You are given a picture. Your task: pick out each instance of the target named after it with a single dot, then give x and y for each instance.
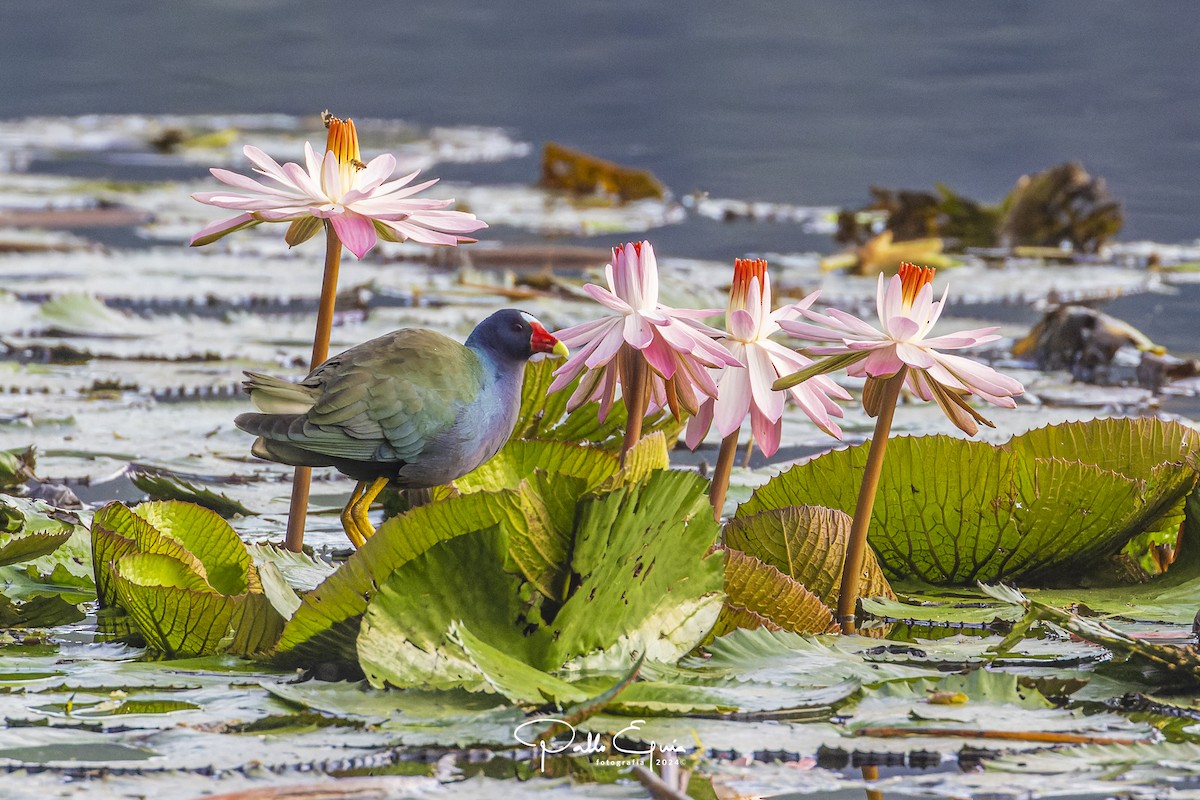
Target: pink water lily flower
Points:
(747, 389)
(907, 312)
(357, 199)
(677, 347)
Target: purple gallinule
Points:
(413, 407)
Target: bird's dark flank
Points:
(412, 407)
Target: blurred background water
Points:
(807, 103)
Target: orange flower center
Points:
(744, 271)
(343, 141)
(912, 280)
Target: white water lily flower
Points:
(677, 347)
(747, 389)
(907, 313)
(357, 199)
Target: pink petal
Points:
(743, 326)
(376, 172)
(762, 375)
(239, 181)
(957, 341)
(918, 382)
(698, 377)
(265, 165)
(568, 372)
(396, 190)
(914, 355)
(935, 311)
(606, 394)
(890, 301)
(698, 425)
(816, 407)
(981, 379)
(902, 328)
(579, 335)
(649, 275)
(331, 177)
(606, 346)
(808, 332)
(882, 362)
(311, 162)
(213, 231)
(354, 231)
(306, 185)
(638, 331)
(853, 325)
(588, 389)
(733, 400)
(607, 299)
(922, 306)
(766, 432)
(660, 356)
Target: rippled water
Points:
(807, 103)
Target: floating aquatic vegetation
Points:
(583, 174)
(1051, 503)
(16, 467)
(1082, 340)
(811, 219)
(1060, 204)
(164, 486)
(1169, 666)
(185, 579)
(882, 254)
(30, 529)
(602, 535)
(203, 139)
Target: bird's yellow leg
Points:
(359, 509)
(349, 524)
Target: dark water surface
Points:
(807, 102)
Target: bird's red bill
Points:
(543, 341)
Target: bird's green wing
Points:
(384, 400)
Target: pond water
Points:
(804, 104)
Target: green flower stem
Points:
(856, 549)
(298, 510)
(720, 480)
(635, 386)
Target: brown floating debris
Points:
(1062, 205)
(1084, 341)
(1156, 370)
(577, 172)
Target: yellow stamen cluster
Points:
(343, 141)
(912, 280)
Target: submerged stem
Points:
(720, 480)
(856, 548)
(298, 509)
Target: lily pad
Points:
(641, 584)
(951, 512)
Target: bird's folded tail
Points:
(273, 432)
(276, 396)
